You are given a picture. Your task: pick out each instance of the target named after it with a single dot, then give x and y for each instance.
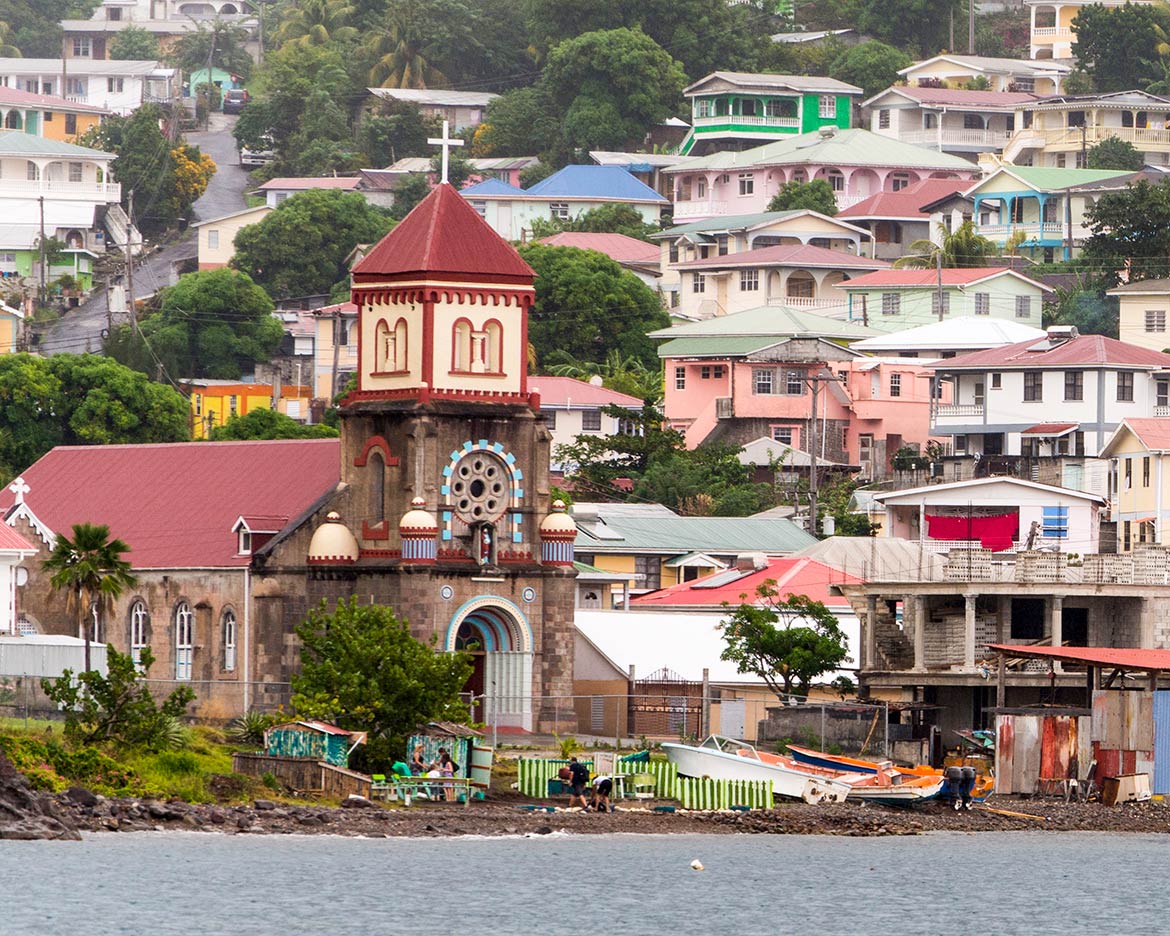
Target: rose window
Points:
(479, 488)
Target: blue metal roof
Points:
(490, 187)
(595, 182)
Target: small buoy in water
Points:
(696, 865)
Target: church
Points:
(437, 504)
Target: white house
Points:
(459, 108)
(999, 514)
(950, 337)
(277, 190)
(217, 235)
(1002, 74)
(573, 407)
(1063, 395)
(118, 86)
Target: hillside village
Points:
(564, 336)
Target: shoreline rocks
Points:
(27, 815)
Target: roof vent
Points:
(1059, 334)
(751, 562)
(827, 132)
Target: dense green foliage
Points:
(872, 66)
(269, 424)
(1119, 48)
(300, 248)
(35, 24)
(816, 195)
(1131, 229)
(362, 670)
(787, 642)
(587, 306)
(214, 323)
(1114, 153)
(80, 400)
(962, 247)
(608, 219)
(118, 707)
(134, 43)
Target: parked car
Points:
(250, 157)
(234, 101)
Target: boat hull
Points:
(722, 765)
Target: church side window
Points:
(377, 469)
(229, 639)
(184, 640)
(461, 346)
(390, 347)
(493, 347)
(139, 630)
(477, 351)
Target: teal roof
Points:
(716, 347)
(854, 147)
(1049, 178)
(16, 143)
(678, 535)
(726, 223)
(773, 321)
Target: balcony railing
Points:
(1162, 410)
(958, 409)
(1031, 228)
(700, 208)
(724, 408)
(994, 139)
(1138, 136)
(807, 302)
(57, 188)
(1051, 32)
(739, 121)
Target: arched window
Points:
(12, 120)
(493, 347)
(390, 347)
(139, 630)
(377, 468)
(184, 640)
(229, 639)
(461, 346)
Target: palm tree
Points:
(403, 50)
(91, 569)
(8, 48)
(623, 374)
(317, 22)
(963, 247)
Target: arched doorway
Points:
(497, 634)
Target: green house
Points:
(739, 110)
(312, 740)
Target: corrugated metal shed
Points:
(48, 655)
(312, 740)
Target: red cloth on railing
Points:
(997, 533)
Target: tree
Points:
(706, 481)
(1091, 311)
(317, 22)
(520, 122)
(787, 642)
(608, 219)
(118, 707)
(409, 192)
(395, 131)
(1118, 46)
(588, 306)
(1115, 153)
(134, 43)
(90, 569)
(300, 248)
(221, 42)
(611, 87)
(418, 39)
(214, 323)
(872, 66)
(1131, 228)
(917, 25)
(625, 375)
(7, 47)
(963, 247)
(595, 462)
(362, 670)
(269, 424)
(816, 195)
(35, 24)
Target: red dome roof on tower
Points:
(444, 236)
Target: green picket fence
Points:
(706, 793)
(665, 776)
(534, 773)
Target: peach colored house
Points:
(738, 377)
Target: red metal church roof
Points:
(175, 505)
(443, 234)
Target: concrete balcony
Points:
(686, 210)
(1051, 32)
(1144, 138)
(957, 139)
(61, 190)
(736, 122)
(1162, 410)
(808, 302)
(964, 410)
(1034, 230)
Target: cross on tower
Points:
(19, 487)
(446, 141)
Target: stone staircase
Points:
(121, 231)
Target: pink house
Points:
(738, 377)
(856, 164)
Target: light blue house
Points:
(565, 194)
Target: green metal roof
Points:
(1046, 178)
(726, 223)
(773, 322)
(717, 347)
(676, 535)
(18, 143)
(854, 147)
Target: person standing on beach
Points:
(578, 782)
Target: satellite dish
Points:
(21, 576)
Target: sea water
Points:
(157, 884)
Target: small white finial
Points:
(446, 141)
(19, 487)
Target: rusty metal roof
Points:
(1128, 658)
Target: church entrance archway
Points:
(497, 634)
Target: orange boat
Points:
(885, 784)
(806, 757)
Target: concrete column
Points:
(1056, 612)
(869, 634)
(1003, 629)
(969, 632)
(919, 633)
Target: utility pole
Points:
(44, 271)
(971, 27)
(130, 268)
(336, 352)
(812, 456)
(939, 291)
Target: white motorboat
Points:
(728, 759)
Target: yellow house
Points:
(1001, 74)
(1140, 478)
(214, 402)
(335, 324)
(47, 116)
(1145, 307)
(217, 236)
(10, 323)
(1051, 25)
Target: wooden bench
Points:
(405, 787)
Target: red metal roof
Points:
(952, 276)
(619, 247)
(1130, 658)
(961, 97)
(1084, 350)
(796, 255)
(797, 576)
(11, 541)
(175, 505)
(324, 182)
(1050, 429)
(908, 202)
(15, 96)
(1153, 433)
(563, 391)
(443, 234)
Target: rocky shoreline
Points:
(85, 812)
